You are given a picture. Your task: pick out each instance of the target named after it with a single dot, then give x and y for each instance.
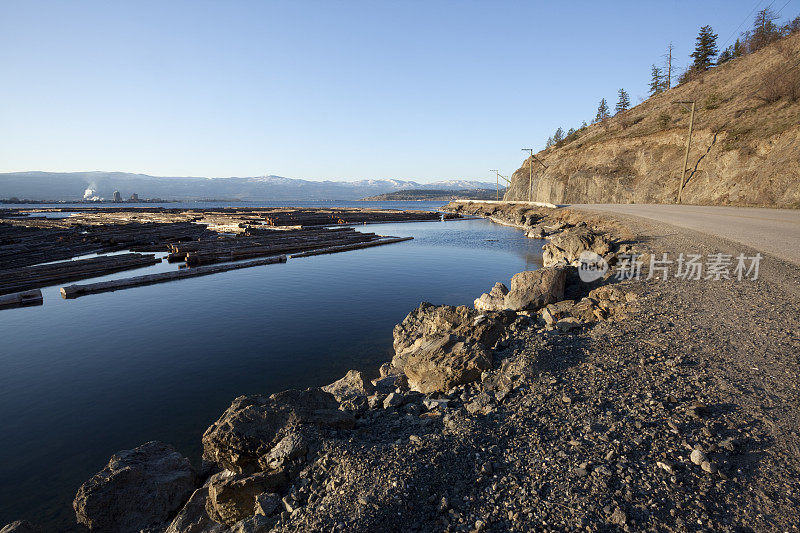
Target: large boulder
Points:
(193, 518)
(568, 245)
(352, 385)
(439, 363)
(493, 300)
(243, 437)
(533, 289)
(288, 448)
(430, 320)
(585, 310)
(138, 489)
(232, 499)
(439, 347)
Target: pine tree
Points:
(656, 80)
(549, 142)
(732, 52)
(602, 111)
(765, 31)
(584, 125)
(738, 49)
(793, 26)
(558, 136)
(705, 49)
(624, 101)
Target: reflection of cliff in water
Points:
(532, 260)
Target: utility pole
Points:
(530, 172)
(507, 185)
(497, 178)
(688, 145)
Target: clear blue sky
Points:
(420, 90)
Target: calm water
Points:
(84, 378)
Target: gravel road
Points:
(774, 231)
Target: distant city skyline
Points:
(421, 91)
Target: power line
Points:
(791, 67)
(784, 5)
(530, 171)
(722, 47)
(497, 179)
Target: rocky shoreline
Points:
(554, 404)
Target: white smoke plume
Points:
(91, 194)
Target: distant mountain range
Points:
(443, 195)
(66, 186)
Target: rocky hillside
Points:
(745, 147)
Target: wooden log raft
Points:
(22, 246)
(266, 237)
(20, 299)
(347, 247)
(262, 244)
(308, 217)
(212, 256)
(34, 277)
(74, 291)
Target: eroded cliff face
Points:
(745, 149)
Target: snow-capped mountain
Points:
(72, 186)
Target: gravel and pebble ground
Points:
(683, 416)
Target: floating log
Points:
(75, 291)
(20, 299)
(346, 247)
(176, 257)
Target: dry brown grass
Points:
(730, 96)
(781, 80)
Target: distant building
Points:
(117, 196)
(134, 197)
